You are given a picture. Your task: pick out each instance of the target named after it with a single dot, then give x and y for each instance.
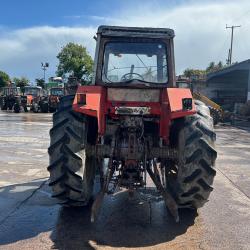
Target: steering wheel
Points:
(128, 76)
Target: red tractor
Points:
(132, 122)
(36, 99)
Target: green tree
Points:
(75, 60)
(21, 82)
(220, 65)
(40, 82)
(210, 67)
(194, 72)
(4, 79)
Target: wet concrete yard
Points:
(30, 219)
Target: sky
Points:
(32, 32)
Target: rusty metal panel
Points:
(134, 95)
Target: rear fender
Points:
(172, 108)
(93, 104)
(175, 98)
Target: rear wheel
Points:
(10, 105)
(17, 108)
(192, 183)
(72, 171)
(34, 108)
(3, 106)
(44, 107)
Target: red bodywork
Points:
(29, 99)
(93, 101)
(54, 99)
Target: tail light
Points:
(187, 103)
(54, 98)
(81, 99)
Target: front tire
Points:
(17, 108)
(72, 171)
(195, 171)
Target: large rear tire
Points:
(192, 184)
(72, 172)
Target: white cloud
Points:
(22, 51)
(201, 36)
(200, 30)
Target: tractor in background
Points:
(132, 122)
(37, 100)
(12, 99)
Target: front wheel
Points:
(72, 171)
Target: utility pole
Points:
(232, 37)
(44, 68)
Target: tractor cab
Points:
(34, 91)
(134, 75)
(182, 82)
(134, 57)
(32, 94)
(11, 91)
(56, 91)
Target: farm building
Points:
(229, 85)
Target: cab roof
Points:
(11, 87)
(33, 87)
(119, 31)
